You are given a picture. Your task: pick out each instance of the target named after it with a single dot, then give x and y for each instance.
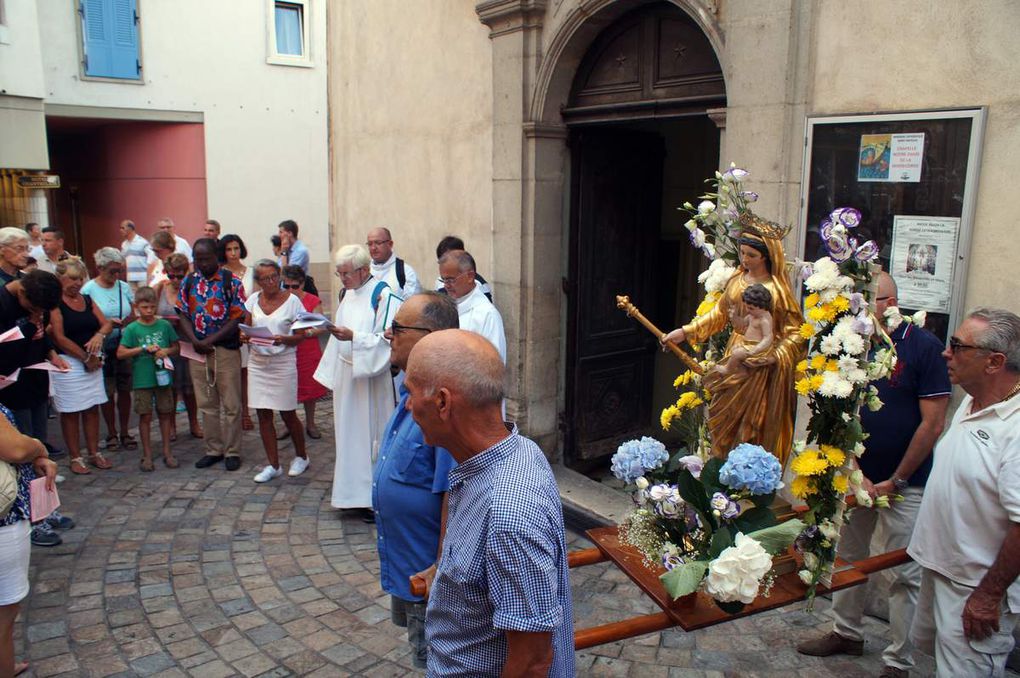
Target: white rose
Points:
(810, 561)
(806, 576)
(829, 529)
(642, 483)
(919, 318)
(690, 225)
(706, 207)
(858, 452)
(863, 498)
(736, 574)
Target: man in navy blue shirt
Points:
(897, 460)
(411, 479)
(500, 603)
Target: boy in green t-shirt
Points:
(149, 341)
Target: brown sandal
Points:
(171, 462)
(128, 442)
(146, 465)
(99, 461)
(78, 466)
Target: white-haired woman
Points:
(14, 247)
(356, 365)
(114, 297)
(272, 370)
(78, 328)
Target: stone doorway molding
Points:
(537, 46)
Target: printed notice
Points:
(891, 157)
(923, 259)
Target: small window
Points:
(288, 33)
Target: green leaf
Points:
(692, 491)
(777, 538)
(674, 461)
(721, 540)
(710, 475)
(685, 578)
(757, 518)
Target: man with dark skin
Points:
(210, 314)
(500, 603)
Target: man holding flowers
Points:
(967, 538)
(897, 461)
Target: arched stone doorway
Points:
(641, 143)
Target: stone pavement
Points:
(203, 573)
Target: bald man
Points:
(897, 460)
(388, 267)
(501, 594)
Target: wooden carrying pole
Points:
(623, 303)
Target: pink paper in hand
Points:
(44, 502)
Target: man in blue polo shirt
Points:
(411, 479)
(897, 460)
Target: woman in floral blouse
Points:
(28, 456)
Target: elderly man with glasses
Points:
(477, 313)
(897, 461)
(355, 365)
(14, 248)
(967, 537)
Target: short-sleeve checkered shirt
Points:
(504, 564)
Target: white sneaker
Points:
(298, 466)
(268, 473)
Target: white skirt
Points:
(272, 381)
(15, 549)
(77, 390)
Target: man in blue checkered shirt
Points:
(500, 602)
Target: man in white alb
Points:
(356, 366)
(390, 268)
(477, 313)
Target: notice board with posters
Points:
(914, 178)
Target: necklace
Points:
(1012, 392)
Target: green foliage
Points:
(710, 476)
(778, 538)
(722, 539)
(757, 518)
(685, 578)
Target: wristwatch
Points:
(899, 483)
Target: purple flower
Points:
(867, 252)
(825, 228)
(735, 174)
(726, 507)
(671, 560)
(848, 216)
(839, 247)
(807, 270)
(692, 463)
(862, 324)
(803, 541)
(749, 196)
(857, 302)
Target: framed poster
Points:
(914, 178)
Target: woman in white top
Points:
(232, 254)
(272, 367)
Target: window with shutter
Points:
(110, 38)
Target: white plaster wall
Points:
(21, 71)
(411, 116)
(265, 125)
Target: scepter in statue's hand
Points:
(623, 303)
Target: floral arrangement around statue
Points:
(847, 349)
(707, 523)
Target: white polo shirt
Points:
(972, 496)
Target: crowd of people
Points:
(459, 497)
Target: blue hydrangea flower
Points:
(635, 457)
(750, 467)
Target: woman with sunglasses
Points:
(232, 254)
(309, 352)
(272, 367)
(162, 245)
(177, 266)
(114, 297)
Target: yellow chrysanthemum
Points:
(816, 382)
(833, 455)
(832, 366)
(830, 312)
(667, 416)
(801, 487)
(803, 386)
(817, 313)
(807, 330)
(817, 362)
(705, 306)
(809, 463)
(802, 366)
(841, 303)
(683, 379)
(811, 300)
(840, 483)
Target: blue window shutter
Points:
(111, 38)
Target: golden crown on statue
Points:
(751, 222)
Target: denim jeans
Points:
(409, 614)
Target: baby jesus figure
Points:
(755, 326)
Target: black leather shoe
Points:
(207, 461)
(233, 463)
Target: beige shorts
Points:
(164, 396)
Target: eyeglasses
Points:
(347, 274)
(450, 281)
(955, 345)
(114, 271)
(266, 279)
(398, 328)
(292, 286)
(370, 243)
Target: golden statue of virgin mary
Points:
(754, 405)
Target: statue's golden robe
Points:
(756, 406)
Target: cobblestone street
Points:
(204, 573)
